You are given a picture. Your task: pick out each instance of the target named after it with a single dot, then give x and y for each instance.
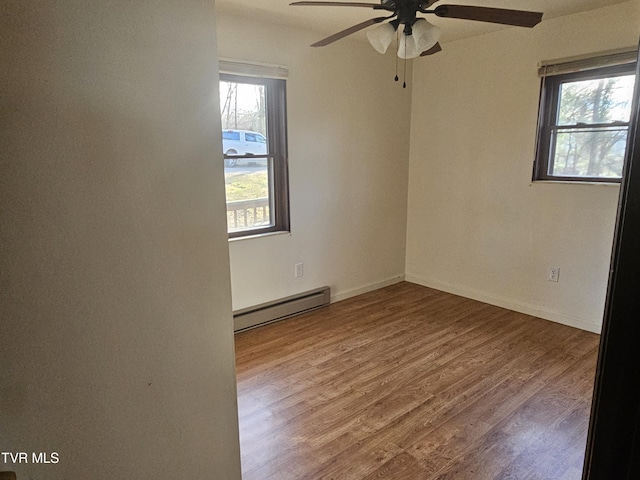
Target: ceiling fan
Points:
(419, 37)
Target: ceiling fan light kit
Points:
(415, 39)
(422, 37)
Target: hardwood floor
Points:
(411, 383)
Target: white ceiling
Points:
(329, 20)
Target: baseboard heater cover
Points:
(273, 311)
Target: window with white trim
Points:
(254, 141)
(585, 108)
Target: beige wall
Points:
(476, 224)
(348, 162)
(116, 347)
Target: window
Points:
(254, 141)
(584, 120)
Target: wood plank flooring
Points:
(409, 383)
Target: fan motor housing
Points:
(398, 4)
(405, 10)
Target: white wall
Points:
(348, 127)
(116, 330)
(476, 225)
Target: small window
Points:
(255, 163)
(584, 121)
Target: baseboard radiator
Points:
(252, 317)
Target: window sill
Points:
(258, 235)
(574, 182)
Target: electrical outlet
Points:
(554, 274)
(299, 270)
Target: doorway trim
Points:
(613, 443)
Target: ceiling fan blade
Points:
(518, 18)
(348, 31)
(337, 4)
(435, 49)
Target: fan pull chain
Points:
(404, 74)
(397, 44)
(404, 66)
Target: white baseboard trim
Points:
(337, 297)
(505, 303)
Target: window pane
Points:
(601, 100)
(243, 113)
(247, 179)
(588, 152)
(248, 193)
